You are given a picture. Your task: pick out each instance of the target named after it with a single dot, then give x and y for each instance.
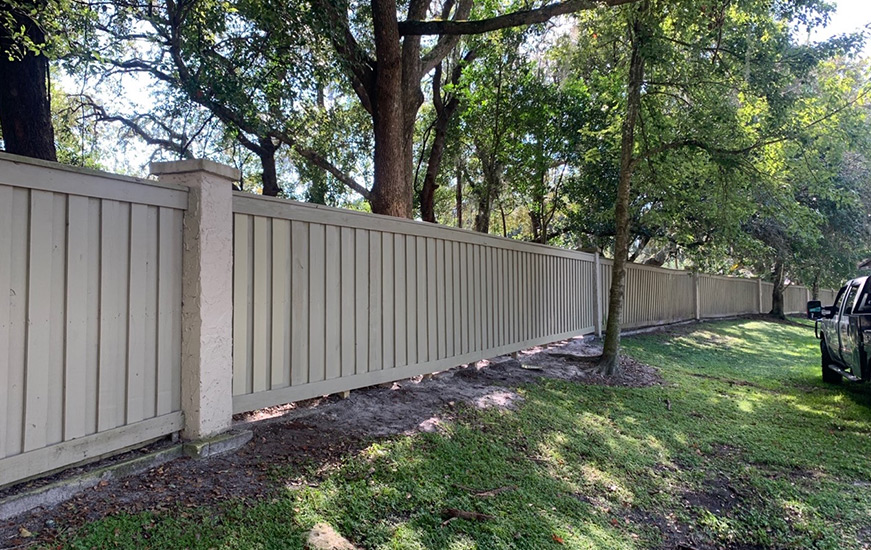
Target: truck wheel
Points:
(829, 376)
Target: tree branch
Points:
(446, 42)
(515, 19)
(321, 162)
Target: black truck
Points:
(844, 331)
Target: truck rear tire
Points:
(829, 376)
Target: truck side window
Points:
(863, 305)
(851, 298)
(839, 298)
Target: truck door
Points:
(859, 324)
(846, 343)
(829, 326)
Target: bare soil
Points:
(318, 432)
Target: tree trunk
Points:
(482, 217)
(777, 291)
(267, 161)
(25, 104)
(391, 189)
(815, 287)
(459, 193)
(444, 112)
(609, 364)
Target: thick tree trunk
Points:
(815, 287)
(25, 104)
(777, 291)
(609, 364)
(391, 189)
(267, 162)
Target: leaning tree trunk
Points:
(25, 104)
(609, 364)
(777, 291)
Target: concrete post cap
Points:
(195, 165)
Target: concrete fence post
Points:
(597, 294)
(697, 295)
(207, 294)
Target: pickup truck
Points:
(844, 331)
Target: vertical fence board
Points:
(262, 304)
(432, 333)
(135, 314)
(422, 315)
(242, 300)
(440, 286)
(149, 386)
(57, 320)
(333, 353)
(376, 356)
(400, 300)
(39, 321)
(361, 276)
(317, 302)
(412, 289)
(349, 303)
(449, 299)
(299, 302)
(388, 295)
(6, 237)
(281, 320)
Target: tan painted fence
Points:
(89, 333)
(328, 300)
(99, 351)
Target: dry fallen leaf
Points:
(24, 533)
(558, 539)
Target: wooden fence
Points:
(122, 323)
(328, 300)
(89, 333)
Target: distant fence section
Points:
(90, 270)
(133, 309)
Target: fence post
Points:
(759, 295)
(597, 290)
(207, 293)
(697, 302)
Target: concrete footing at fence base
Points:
(64, 489)
(219, 444)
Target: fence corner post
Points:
(207, 294)
(597, 291)
(697, 296)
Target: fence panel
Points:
(827, 296)
(327, 300)
(795, 299)
(725, 296)
(653, 295)
(89, 327)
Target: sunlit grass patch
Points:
(743, 445)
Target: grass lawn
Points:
(741, 447)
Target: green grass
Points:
(742, 446)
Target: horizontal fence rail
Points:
(90, 269)
(327, 300)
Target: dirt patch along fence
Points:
(138, 309)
